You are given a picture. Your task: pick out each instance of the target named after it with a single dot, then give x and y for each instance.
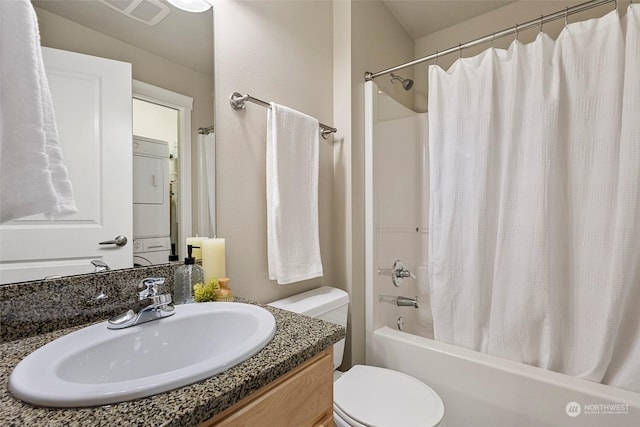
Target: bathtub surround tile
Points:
(35, 313)
(397, 244)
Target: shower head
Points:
(406, 83)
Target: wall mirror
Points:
(171, 96)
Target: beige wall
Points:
(312, 56)
(61, 33)
(342, 226)
(278, 51)
(499, 19)
(377, 42)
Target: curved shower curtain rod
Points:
(543, 19)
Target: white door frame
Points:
(184, 105)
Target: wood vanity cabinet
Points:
(301, 397)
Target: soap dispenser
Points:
(174, 256)
(186, 277)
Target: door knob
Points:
(118, 241)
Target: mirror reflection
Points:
(156, 174)
(135, 164)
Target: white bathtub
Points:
(484, 390)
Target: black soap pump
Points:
(174, 256)
(186, 277)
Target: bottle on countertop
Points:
(186, 277)
(174, 256)
(224, 293)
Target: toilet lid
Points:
(382, 397)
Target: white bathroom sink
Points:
(98, 366)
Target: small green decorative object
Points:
(205, 293)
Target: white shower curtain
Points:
(535, 206)
(207, 179)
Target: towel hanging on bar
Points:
(293, 233)
(238, 100)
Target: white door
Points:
(92, 103)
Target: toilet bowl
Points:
(367, 396)
(372, 396)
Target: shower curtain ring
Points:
(437, 52)
(566, 16)
(460, 48)
(516, 32)
(493, 35)
(541, 16)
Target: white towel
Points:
(293, 240)
(33, 178)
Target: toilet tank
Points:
(325, 303)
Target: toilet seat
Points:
(370, 396)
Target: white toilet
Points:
(366, 395)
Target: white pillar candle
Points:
(213, 259)
(196, 241)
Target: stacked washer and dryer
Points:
(151, 199)
(367, 395)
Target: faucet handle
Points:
(148, 287)
(397, 273)
(161, 300)
(99, 266)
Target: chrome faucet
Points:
(407, 302)
(397, 273)
(399, 301)
(159, 306)
(99, 266)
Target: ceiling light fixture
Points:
(192, 5)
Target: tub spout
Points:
(399, 301)
(407, 302)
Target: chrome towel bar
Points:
(238, 100)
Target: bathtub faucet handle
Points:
(397, 273)
(404, 274)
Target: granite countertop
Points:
(297, 339)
